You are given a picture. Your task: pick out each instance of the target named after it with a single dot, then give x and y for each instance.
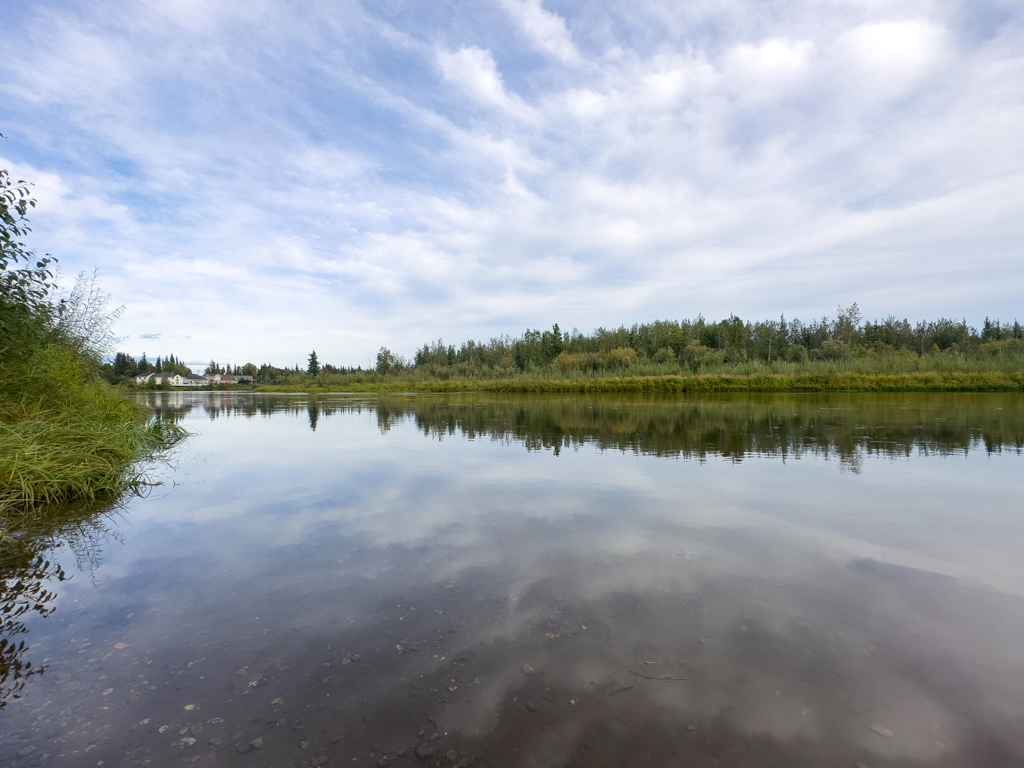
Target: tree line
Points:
(124, 367)
(692, 345)
(699, 343)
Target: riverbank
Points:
(994, 381)
(66, 436)
(82, 447)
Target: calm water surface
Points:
(547, 581)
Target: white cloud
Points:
(888, 57)
(473, 69)
(338, 178)
(546, 30)
(769, 70)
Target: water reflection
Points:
(29, 575)
(730, 426)
(352, 580)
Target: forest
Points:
(845, 343)
(696, 345)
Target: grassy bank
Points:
(65, 434)
(827, 381)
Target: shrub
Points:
(665, 355)
(65, 435)
(833, 349)
(696, 355)
(621, 357)
(797, 354)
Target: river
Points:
(487, 580)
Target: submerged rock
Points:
(423, 751)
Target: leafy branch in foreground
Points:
(65, 434)
(24, 286)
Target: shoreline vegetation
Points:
(829, 381)
(66, 435)
(840, 354)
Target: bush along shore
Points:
(66, 435)
(707, 383)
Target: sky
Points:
(256, 180)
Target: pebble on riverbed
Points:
(423, 751)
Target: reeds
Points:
(994, 367)
(66, 436)
(825, 381)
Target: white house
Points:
(190, 380)
(172, 379)
(224, 378)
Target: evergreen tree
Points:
(314, 364)
(121, 364)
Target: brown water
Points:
(547, 581)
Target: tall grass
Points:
(90, 450)
(928, 373)
(997, 366)
(66, 435)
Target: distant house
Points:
(224, 378)
(172, 379)
(168, 378)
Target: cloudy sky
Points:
(257, 179)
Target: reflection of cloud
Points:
(388, 504)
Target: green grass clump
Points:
(66, 435)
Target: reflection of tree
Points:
(24, 592)
(27, 572)
(848, 427)
(845, 426)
